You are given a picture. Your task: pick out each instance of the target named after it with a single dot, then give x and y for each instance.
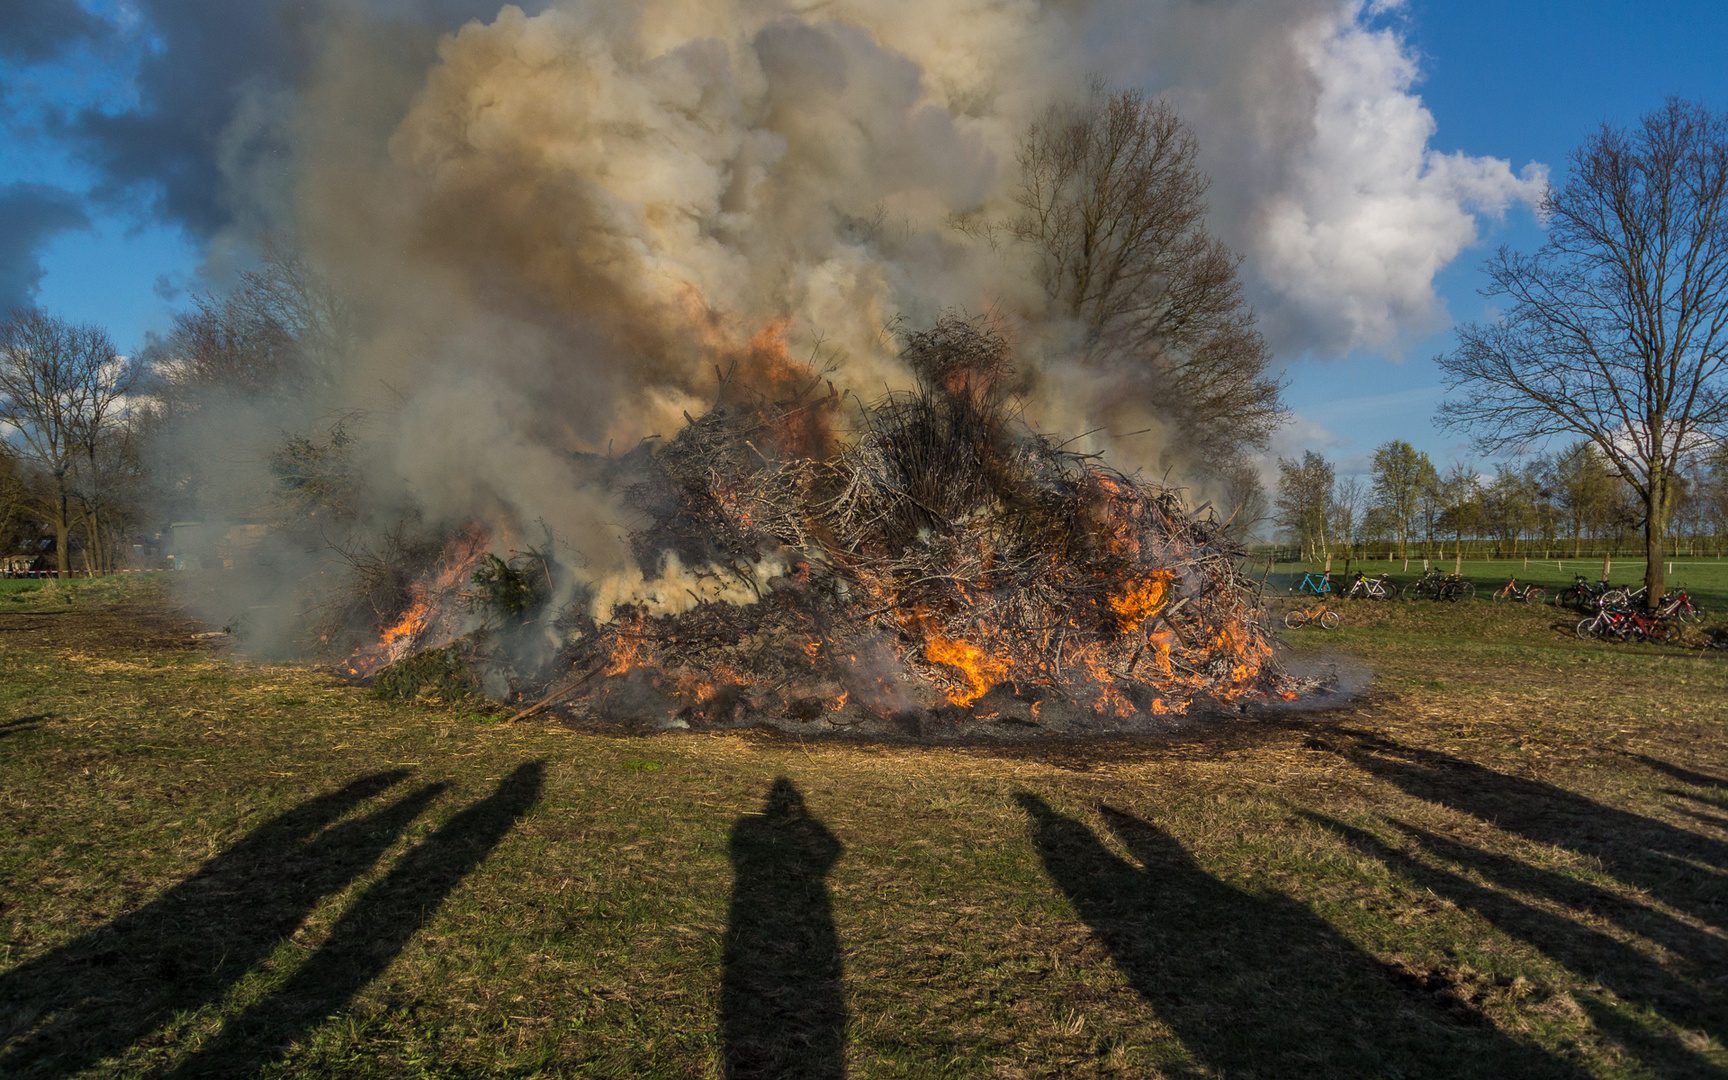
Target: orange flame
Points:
(430, 612)
(1141, 599)
(980, 670)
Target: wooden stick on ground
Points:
(555, 696)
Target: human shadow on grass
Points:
(1641, 851)
(22, 724)
(782, 1004)
(110, 988)
(1679, 990)
(1257, 984)
(370, 934)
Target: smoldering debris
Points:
(943, 571)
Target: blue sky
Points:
(1520, 81)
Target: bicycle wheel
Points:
(1329, 620)
(1412, 591)
(1294, 619)
(1534, 596)
(1465, 591)
(1662, 631)
(1614, 598)
(1588, 630)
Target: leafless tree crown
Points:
(282, 323)
(1617, 329)
(1112, 201)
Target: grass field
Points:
(1507, 858)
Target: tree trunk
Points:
(1655, 533)
(62, 531)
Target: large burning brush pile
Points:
(947, 570)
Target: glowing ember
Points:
(941, 551)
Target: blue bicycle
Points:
(1318, 584)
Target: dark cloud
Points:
(31, 215)
(32, 31)
(211, 125)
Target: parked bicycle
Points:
(1319, 613)
(1621, 624)
(1453, 588)
(1426, 587)
(1371, 588)
(1318, 584)
(1524, 594)
(1678, 605)
(1624, 596)
(1581, 594)
(1437, 586)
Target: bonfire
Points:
(944, 569)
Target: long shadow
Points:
(1685, 776)
(1680, 992)
(373, 930)
(1640, 851)
(104, 991)
(782, 1009)
(1258, 985)
(22, 724)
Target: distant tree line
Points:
(1568, 504)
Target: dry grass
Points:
(1507, 859)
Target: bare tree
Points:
(1616, 330)
(1244, 500)
(1461, 513)
(1303, 503)
(1402, 476)
(1113, 203)
(60, 383)
(1349, 501)
(282, 323)
(1583, 490)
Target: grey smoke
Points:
(1306, 110)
